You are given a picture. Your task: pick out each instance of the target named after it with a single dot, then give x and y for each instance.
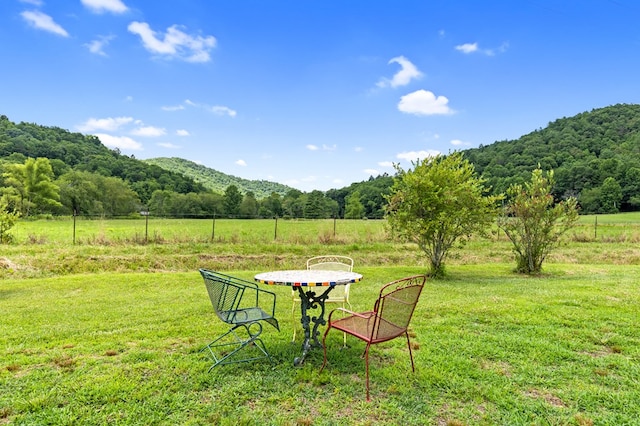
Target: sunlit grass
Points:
(490, 348)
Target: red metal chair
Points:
(389, 318)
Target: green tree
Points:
(79, 193)
(232, 200)
(532, 221)
(30, 186)
(8, 219)
(611, 195)
(249, 206)
(437, 204)
(353, 208)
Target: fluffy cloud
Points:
(311, 147)
(174, 43)
(182, 132)
(106, 124)
(407, 72)
(423, 102)
(149, 131)
(120, 142)
(417, 155)
(100, 6)
(241, 163)
(97, 46)
(223, 110)
(42, 21)
(468, 48)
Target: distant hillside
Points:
(595, 156)
(218, 181)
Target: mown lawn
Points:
(493, 348)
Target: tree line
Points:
(595, 157)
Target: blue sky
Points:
(315, 94)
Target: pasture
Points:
(108, 330)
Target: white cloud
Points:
(385, 163)
(458, 142)
(311, 147)
(44, 22)
(371, 172)
(182, 132)
(223, 110)
(407, 72)
(108, 124)
(423, 102)
(337, 181)
(100, 6)
(329, 147)
(241, 163)
(168, 145)
(173, 108)
(120, 142)
(468, 48)
(417, 155)
(97, 46)
(149, 131)
(33, 2)
(174, 43)
(358, 149)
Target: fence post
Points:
(595, 229)
(145, 213)
(213, 228)
(334, 226)
(275, 231)
(74, 226)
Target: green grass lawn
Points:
(492, 348)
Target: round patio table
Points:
(306, 281)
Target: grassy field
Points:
(108, 331)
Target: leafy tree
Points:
(249, 206)
(353, 206)
(232, 200)
(315, 207)
(437, 204)
(8, 219)
(79, 193)
(30, 187)
(532, 221)
(271, 206)
(611, 194)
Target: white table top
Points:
(308, 277)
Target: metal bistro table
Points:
(305, 280)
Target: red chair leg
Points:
(366, 366)
(413, 368)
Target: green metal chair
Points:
(242, 305)
(389, 318)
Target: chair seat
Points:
(361, 326)
(248, 315)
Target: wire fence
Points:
(147, 228)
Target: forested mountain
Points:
(218, 181)
(595, 157)
(85, 153)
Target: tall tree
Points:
(533, 222)
(232, 200)
(353, 208)
(30, 186)
(437, 204)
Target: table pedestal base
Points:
(309, 300)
